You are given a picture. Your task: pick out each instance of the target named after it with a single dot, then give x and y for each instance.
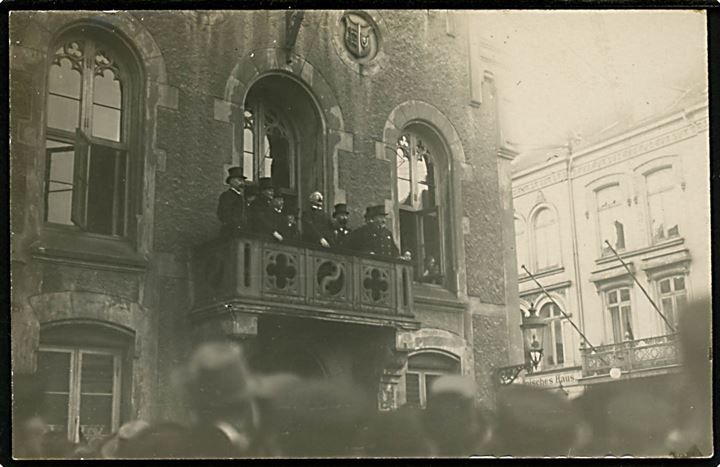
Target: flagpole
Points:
(559, 308)
(672, 328)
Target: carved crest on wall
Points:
(360, 37)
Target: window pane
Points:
(248, 166)
(679, 283)
(97, 373)
(412, 388)
(106, 122)
(402, 163)
(280, 169)
(408, 236)
(624, 294)
(659, 180)
(681, 302)
(656, 216)
(559, 347)
(59, 184)
(107, 90)
(612, 296)
(63, 113)
(431, 237)
(54, 369)
(64, 80)
(428, 383)
(665, 286)
(247, 141)
(56, 411)
(95, 415)
(106, 182)
(404, 196)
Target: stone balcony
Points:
(257, 276)
(637, 358)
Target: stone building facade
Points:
(123, 126)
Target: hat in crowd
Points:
(251, 189)
(372, 211)
(265, 183)
(534, 422)
(217, 376)
(340, 208)
(113, 446)
(235, 172)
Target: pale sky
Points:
(581, 71)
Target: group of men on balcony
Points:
(264, 213)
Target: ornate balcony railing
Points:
(640, 355)
(265, 276)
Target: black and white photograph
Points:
(359, 233)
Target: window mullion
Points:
(75, 377)
(258, 141)
(87, 86)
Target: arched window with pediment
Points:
(422, 194)
(93, 101)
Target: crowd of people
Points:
(259, 209)
(236, 413)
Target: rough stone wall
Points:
(422, 63)
(490, 350)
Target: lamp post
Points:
(533, 330)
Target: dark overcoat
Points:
(316, 224)
(373, 240)
(231, 210)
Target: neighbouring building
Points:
(123, 126)
(645, 189)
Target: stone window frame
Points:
(100, 39)
(29, 55)
(423, 373)
(75, 389)
(422, 112)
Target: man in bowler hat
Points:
(263, 216)
(374, 238)
(341, 233)
(231, 209)
(316, 224)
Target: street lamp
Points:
(533, 329)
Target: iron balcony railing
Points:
(631, 356)
(264, 276)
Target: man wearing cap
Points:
(341, 233)
(317, 227)
(231, 204)
(263, 217)
(374, 238)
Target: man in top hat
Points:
(374, 238)
(317, 227)
(341, 232)
(263, 216)
(231, 209)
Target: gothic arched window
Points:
(421, 197)
(91, 98)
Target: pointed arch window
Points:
(91, 96)
(421, 197)
(268, 148)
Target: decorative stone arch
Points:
(543, 299)
(439, 340)
(30, 53)
(274, 60)
(92, 308)
(416, 111)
